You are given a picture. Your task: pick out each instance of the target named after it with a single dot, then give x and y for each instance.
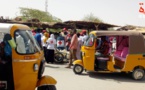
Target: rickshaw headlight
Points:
(36, 67)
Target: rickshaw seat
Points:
(121, 55)
(120, 58)
(102, 62)
(103, 58)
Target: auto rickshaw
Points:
(128, 57)
(21, 60)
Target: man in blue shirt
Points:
(38, 37)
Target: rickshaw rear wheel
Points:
(58, 57)
(78, 69)
(138, 74)
(47, 87)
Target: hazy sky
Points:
(120, 12)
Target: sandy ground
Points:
(67, 80)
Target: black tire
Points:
(78, 69)
(47, 87)
(58, 57)
(138, 74)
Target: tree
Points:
(92, 18)
(27, 13)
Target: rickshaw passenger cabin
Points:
(21, 60)
(128, 55)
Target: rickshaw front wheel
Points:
(47, 87)
(138, 74)
(78, 69)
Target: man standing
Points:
(44, 39)
(38, 37)
(73, 47)
(68, 41)
(85, 36)
(80, 43)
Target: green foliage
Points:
(110, 29)
(54, 30)
(92, 18)
(28, 13)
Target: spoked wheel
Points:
(47, 87)
(138, 74)
(78, 69)
(58, 57)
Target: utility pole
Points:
(46, 5)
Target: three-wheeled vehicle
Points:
(128, 57)
(21, 60)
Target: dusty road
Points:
(67, 80)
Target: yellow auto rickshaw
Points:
(21, 60)
(128, 56)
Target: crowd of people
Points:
(68, 39)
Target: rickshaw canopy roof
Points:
(5, 27)
(136, 39)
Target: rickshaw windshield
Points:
(26, 43)
(90, 40)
